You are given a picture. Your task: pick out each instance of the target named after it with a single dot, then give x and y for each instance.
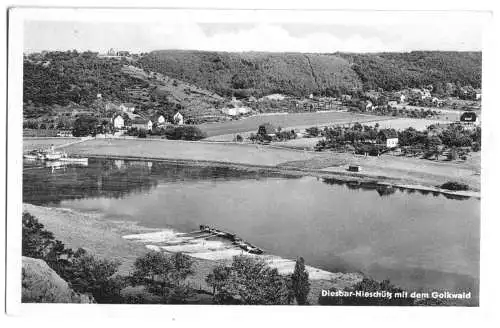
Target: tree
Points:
(85, 125)
(433, 145)
(90, 274)
(36, 241)
(300, 282)
(218, 279)
(252, 281)
(85, 273)
(164, 275)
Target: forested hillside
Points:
(58, 78)
(66, 78)
(301, 74)
(256, 73)
(394, 71)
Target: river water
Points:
(418, 240)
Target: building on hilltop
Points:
(469, 120)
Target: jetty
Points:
(235, 240)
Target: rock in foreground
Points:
(41, 284)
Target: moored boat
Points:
(30, 156)
(79, 160)
(53, 156)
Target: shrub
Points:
(184, 132)
(142, 133)
(313, 131)
(453, 185)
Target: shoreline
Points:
(379, 180)
(126, 241)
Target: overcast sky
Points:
(296, 32)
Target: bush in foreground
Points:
(84, 272)
(452, 185)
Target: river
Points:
(418, 240)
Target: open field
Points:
(385, 122)
(386, 168)
(414, 171)
(248, 154)
(285, 121)
(34, 143)
(404, 123)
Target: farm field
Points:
(285, 121)
(248, 154)
(404, 123)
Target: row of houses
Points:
(144, 123)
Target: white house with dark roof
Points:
(118, 122)
(178, 119)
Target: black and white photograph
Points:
(315, 158)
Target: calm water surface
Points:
(417, 240)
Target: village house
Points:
(118, 122)
(178, 119)
(346, 98)
(159, 120)
(267, 129)
(127, 107)
(369, 105)
(478, 94)
(141, 123)
(401, 99)
(389, 138)
(469, 120)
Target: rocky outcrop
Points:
(41, 284)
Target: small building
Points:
(389, 138)
(65, 133)
(178, 119)
(469, 120)
(141, 123)
(468, 117)
(354, 168)
(267, 129)
(127, 107)
(118, 122)
(369, 105)
(159, 120)
(346, 98)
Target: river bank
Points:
(126, 241)
(410, 173)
